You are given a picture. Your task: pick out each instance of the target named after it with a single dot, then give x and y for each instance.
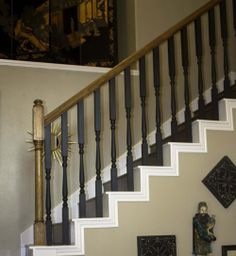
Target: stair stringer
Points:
(200, 128)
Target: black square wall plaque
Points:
(221, 181)
(156, 245)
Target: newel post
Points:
(38, 137)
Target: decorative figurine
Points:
(203, 233)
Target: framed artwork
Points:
(81, 32)
(156, 245)
(229, 250)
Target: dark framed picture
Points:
(79, 32)
(229, 250)
(157, 245)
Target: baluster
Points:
(212, 43)
(97, 126)
(112, 107)
(157, 85)
(185, 64)
(224, 36)
(48, 167)
(171, 61)
(142, 70)
(198, 42)
(64, 153)
(234, 15)
(82, 196)
(129, 158)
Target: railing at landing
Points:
(43, 123)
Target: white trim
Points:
(26, 238)
(55, 66)
(199, 145)
(43, 65)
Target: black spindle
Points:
(97, 127)
(212, 43)
(112, 107)
(48, 166)
(142, 70)
(198, 43)
(64, 153)
(185, 64)
(82, 196)
(129, 158)
(224, 35)
(157, 86)
(171, 61)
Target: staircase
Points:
(132, 218)
(156, 151)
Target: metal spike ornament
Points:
(55, 143)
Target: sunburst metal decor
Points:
(221, 181)
(55, 143)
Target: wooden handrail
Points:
(53, 115)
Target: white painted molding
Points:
(44, 65)
(55, 66)
(199, 145)
(26, 238)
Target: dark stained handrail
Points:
(53, 115)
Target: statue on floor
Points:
(203, 234)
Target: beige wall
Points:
(141, 21)
(126, 27)
(154, 17)
(18, 89)
(173, 203)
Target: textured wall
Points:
(18, 89)
(161, 15)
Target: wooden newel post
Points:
(38, 137)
